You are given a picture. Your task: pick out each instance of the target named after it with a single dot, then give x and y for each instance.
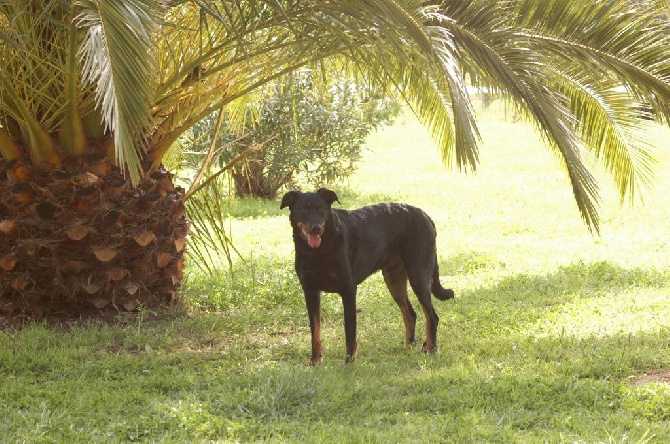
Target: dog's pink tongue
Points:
(314, 240)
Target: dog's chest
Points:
(329, 276)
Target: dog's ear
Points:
(328, 195)
(289, 199)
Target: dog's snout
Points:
(315, 228)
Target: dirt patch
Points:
(661, 375)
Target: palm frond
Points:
(210, 246)
(610, 124)
(31, 73)
(560, 63)
(624, 42)
(41, 146)
(608, 60)
(117, 56)
(72, 134)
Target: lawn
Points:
(548, 339)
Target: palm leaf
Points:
(117, 56)
(559, 62)
(210, 244)
(609, 123)
(31, 75)
(72, 134)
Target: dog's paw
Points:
(427, 349)
(350, 359)
(315, 361)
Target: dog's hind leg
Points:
(395, 276)
(420, 282)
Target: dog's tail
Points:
(437, 289)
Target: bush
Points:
(311, 134)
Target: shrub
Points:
(312, 134)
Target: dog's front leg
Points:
(313, 302)
(349, 304)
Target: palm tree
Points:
(93, 93)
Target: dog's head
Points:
(310, 213)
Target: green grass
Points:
(549, 327)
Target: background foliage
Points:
(311, 132)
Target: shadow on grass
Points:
(582, 299)
(253, 208)
(511, 302)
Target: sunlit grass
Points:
(608, 315)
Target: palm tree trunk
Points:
(84, 241)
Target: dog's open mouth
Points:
(313, 240)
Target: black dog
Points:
(335, 250)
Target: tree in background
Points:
(93, 93)
(311, 132)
